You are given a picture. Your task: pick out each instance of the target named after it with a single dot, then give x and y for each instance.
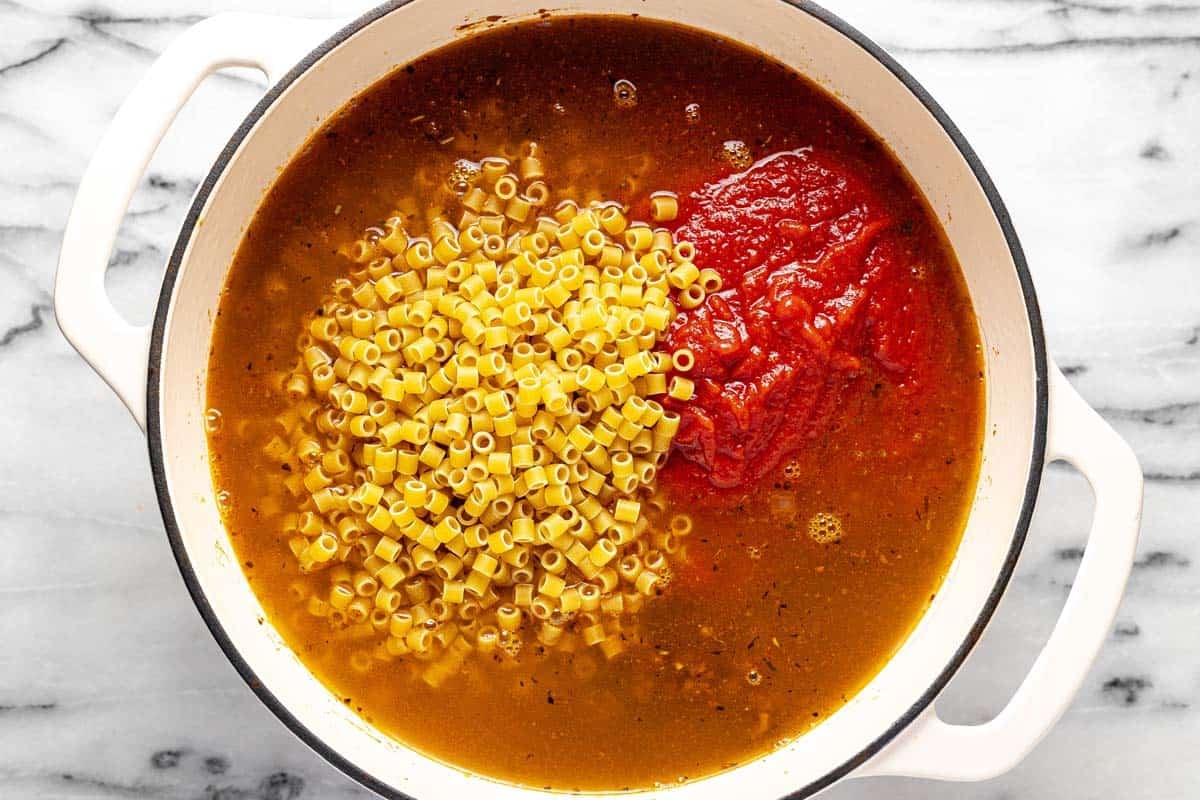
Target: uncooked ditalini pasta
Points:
(478, 436)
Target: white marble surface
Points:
(1086, 112)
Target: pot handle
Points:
(931, 748)
(116, 349)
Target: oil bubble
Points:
(433, 129)
(462, 176)
(754, 677)
(737, 153)
(825, 528)
(213, 420)
(625, 93)
(691, 112)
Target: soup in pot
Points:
(594, 404)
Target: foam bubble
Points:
(737, 153)
(825, 528)
(462, 176)
(625, 93)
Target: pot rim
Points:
(344, 763)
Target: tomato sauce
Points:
(820, 278)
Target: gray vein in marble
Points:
(1126, 630)
(109, 787)
(1127, 690)
(38, 187)
(6, 708)
(280, 785)
(17, 230)
(20, 123)
(36, 57)
(1069, 553)
(1155, 559)
(129, 250)
(166, 759)
(145, 212)
(1057, 45)
(96, 18)
(1069, 6)
(176, 185)
(1161, 236)
(123, 256)
(1172, 414)
(102, 24)
(20, 233)
(1172, 477)
(35, 321)
(1154, 151)
(1149, 475)
(99, 22)
(216, 765)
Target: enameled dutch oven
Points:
(1033, 415)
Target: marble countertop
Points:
(1086, 112)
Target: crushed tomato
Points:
(821, 284)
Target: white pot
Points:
(1033, 415)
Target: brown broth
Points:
(814, 622)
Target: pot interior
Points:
(797, 36)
